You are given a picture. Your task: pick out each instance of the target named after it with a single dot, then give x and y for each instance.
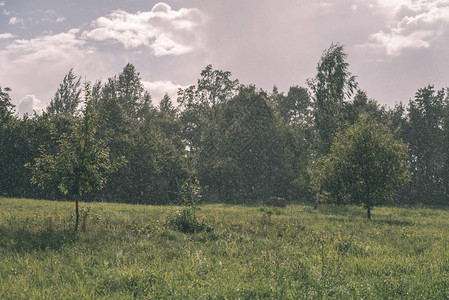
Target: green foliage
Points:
(427, 114)
(331, 85)
(149, 138)
(295, 106)
(81, 162)
(243, 143)
(366, 165)
(361, 106)
(6, 107)
(67, 96)
(191, 192)
(186, 220)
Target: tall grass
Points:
(128, 251)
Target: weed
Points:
(84, 213)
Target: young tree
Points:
(365, 165)
(81, 162)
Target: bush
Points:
(186, 221)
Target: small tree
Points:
(81, 161)
(365, 165)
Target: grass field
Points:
(127, 251)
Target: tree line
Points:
(242, 143)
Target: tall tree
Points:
(130, 91)
(67, 96)
(332, 84)
(8, 141)
(365, 165)
(200, 104)
(426, 118)
(242, 157)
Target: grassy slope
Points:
(125, 251)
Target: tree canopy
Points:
(244, 144)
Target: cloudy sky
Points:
(394, 47)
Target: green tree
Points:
(361, 106)
(167, 118)
(67, 96)
(365, 165)
(295, 106)
(332, 84)
(6, 107)
(81, 162)
(425, 134)
(8, 141)
(130, 91)
(243, 157)
(148, 137)
(201, 104)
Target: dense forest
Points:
(242, 143)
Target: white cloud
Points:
(5, 36)
(36, 66)
(159, 88)
(50, 48)
(161, 7)
(29, 104)
(165, 31)
(6, 12)
(395, 43)
(15, 20)
(2, 3)
(60, 19)
(410, 24)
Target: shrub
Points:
(186, 221)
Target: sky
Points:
(394, 47)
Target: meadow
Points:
(252, 252)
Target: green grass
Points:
(127, 251)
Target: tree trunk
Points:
(77, 215)
(368, 209)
